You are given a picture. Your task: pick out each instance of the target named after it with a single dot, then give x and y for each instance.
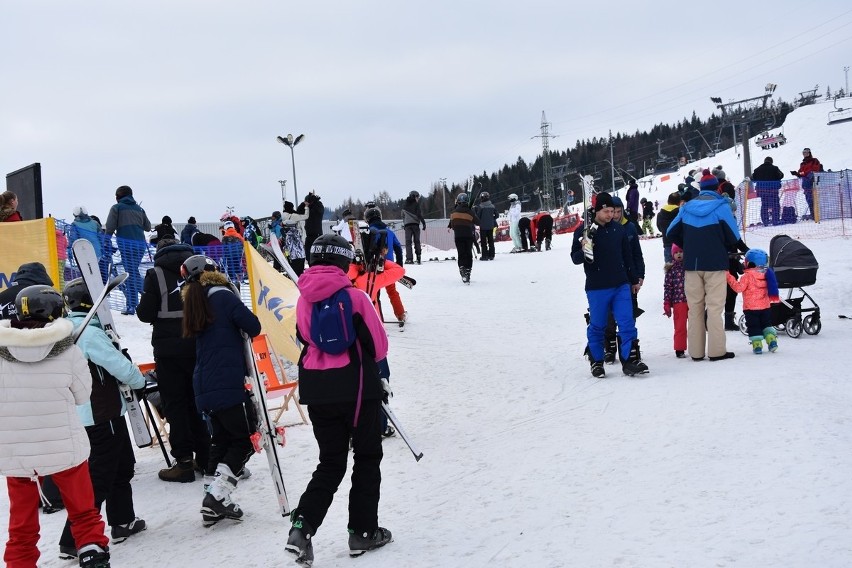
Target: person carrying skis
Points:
(111, 460)
(216, 317)
(463, 222)
(487, 214)
(42, 373)
(611, 280)
(343, 392)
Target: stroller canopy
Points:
(794, 263)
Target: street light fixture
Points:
(291, 142)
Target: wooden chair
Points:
(271, 366)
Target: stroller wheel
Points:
(793, 327)
(812, 325)
(742, 324)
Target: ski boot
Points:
(633, 365)
(756, 344)
(93, 556)
(409, 261)
(465, 275)
(680, 354)
(598, 371)
(217, 502)
(771, 339)
(418, 259)
(610, 349)
(120, 533)
(299, 542)
(362, 542)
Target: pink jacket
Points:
(752, 286)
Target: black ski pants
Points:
(230, 437)
(526, 233)
(486, 241)
(111, 468)
(464, 249)
(412, 235)
(333, 426)
(188, 434)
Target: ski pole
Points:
(395, 421)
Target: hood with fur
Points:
(36, 344)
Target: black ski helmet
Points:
(484, 196)
(77, 296)
(194, 266)
(39, 302)
(332, 250)
(373, 214)
(463, 198)
(414, 194)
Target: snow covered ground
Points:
(529, 461)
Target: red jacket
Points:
(808, 165)
(752, 285)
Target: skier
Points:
(232, 244)
(412, 219)
(164, 230)
(514, 218)
(463, 222)
(487, 214)
(313, 224)
(111, 460)
(28, 274)
(42, 373)
(343, 393)
(647, 215)
(216, 317)
(342, 226)
(161, 306)
(527, 237)
(188, 230)
(394, 251)
(129, 222)
(84, 227)
(610, 280)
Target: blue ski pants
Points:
(619, 301)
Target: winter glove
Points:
(126, 354)
(667, 308)
(386, 391)
(795, 174)
(424, 226)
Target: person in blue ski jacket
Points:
(111, 461)
(373, 216)
(129, 222)
(611, 279)
(706, 230)
(215, 315)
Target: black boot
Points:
(610, 348)
(730, 322)
(633, 365)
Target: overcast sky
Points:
(183, 100)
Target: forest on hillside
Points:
(661, 149)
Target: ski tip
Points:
(418, 457)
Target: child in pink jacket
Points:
(759, 289)
(674, 300)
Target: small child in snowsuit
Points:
(674, 300)
(344, 390)
(759, 288)
(43, 376)
(214, 314)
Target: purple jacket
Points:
(633, 199)
(330, 378)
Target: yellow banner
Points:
(273, 298)
(28, 241)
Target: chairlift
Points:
(525, 198)
(598, 176)
(630, 167)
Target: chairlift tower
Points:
(743, 113)
(546, 194)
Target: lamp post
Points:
(444, 195)
(291, 142)
(283, 183)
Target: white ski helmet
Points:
(513, 197)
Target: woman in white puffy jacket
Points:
(43, 376)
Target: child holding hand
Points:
(674, 300)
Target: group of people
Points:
(702, 249)
(778, 207)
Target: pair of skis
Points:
(588, 218)
(87, 261)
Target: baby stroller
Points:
(795, 267)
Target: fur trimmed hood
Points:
(37, 344)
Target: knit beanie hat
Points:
(708, 181)
(191, 220)
(676, 249)
(602, 200)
